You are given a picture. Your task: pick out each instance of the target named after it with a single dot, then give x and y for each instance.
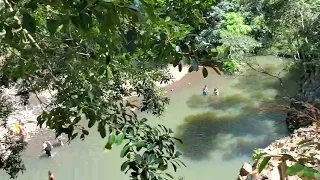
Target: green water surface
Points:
(219, 133)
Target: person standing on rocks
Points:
(22, 132)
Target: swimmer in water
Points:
(205, 90)
(216, 92)
(51, 177)
(47, 147)
(59, 138)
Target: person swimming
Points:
(205, 90)
(59, 138)
(47, 147)
(51, 177)
(216, 92)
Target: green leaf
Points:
(169, 175)
(76, 120)
(101, 70)
(309, 172)
(226, 51)
(174, 167)
(52, 26)
(190, 69)
(283, 150)
(90, 95)
(151, 146)
(178, 160)
(304, 141)
(143, 120)
(32, 5)
(293, 170)
(151, 158)
(177, 139)
(74, 136)
(28, 23)
(82, 137)
(108, 59)
(124, 166)
(186, 60)
(263, 163)
(309, 144)
(304, 160)
(138, 158)
(214, 54)
(91, 123)
(125, 150)
(287, 157)
(9, 34)
(119, 138)
(109, 72)
(85, 132)
(178, 154)
(74, 21)
(102, 130)
(180, 67)
(111, 138)
(163, 167)
(204, 72)
(216, 70)
(108, 146)
(176, 62)
(85, 21)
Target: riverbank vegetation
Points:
(86, 51)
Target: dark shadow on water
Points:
(199, 134)
(235, 134)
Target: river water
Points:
(219, 133)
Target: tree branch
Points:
(269, 74)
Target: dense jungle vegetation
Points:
(85, 50)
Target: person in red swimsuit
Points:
(22, 132)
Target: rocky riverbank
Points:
(26, 114)
(300, 145)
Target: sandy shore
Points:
(28, 114)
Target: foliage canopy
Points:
(92, 54)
